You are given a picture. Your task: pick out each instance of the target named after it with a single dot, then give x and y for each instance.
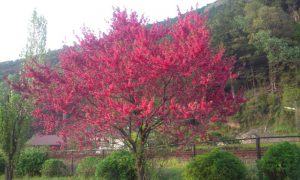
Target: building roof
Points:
(45, 140)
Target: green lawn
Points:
(46, 178)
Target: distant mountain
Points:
(9, 67)
(12, 67)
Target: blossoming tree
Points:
(133, 80)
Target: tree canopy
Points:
(133, 80)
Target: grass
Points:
(48, 178)
(167, 169)
(252, 172)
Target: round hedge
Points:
(30, 162)
(87, 167)
(117, 166)
(281, 161)
(217, 165)
(54, 168)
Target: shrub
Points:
(87, 166)
(2, 164)
(118, 166)
(217, 165)
(54, 168)
(281, 161)
(30, 162)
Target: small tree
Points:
(134, 80)
(37, 38)
(14, 128)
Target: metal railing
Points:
(247, 149)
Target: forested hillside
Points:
(264, 37)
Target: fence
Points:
(247, 149)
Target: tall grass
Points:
(167, 169)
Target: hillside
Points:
(12, 67)
(264, 37)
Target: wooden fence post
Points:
(258, 149)
(258, 155)
(103, 153)
(194, 150)
(72, 162)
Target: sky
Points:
(66, 18)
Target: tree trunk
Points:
(140, 161)
(9, 171)
(272, 77)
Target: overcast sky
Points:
(66, 17)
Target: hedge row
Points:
(281, 161)
(35, 162)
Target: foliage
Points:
(36, 40)
(54, 168)
(281, 161)
(260, 105)
(119, 165)
(30, 162)
(219, 137)
(165, 78)
(215, 165)
(272, 19)
(291, 97)
(276, 49)
(265, 30)
(87, 167)
(233, 25)
(15, 123)
(296, 34)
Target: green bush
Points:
(2, 164)
(281, 161)
(118, 166)
(54, 168)
(30, 162)
(217, 165)
(87, 166)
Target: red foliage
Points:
(135, 78)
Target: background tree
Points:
(34, 53)
(278, 52)
(37, 38)
(133, 80)
(15, 124)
